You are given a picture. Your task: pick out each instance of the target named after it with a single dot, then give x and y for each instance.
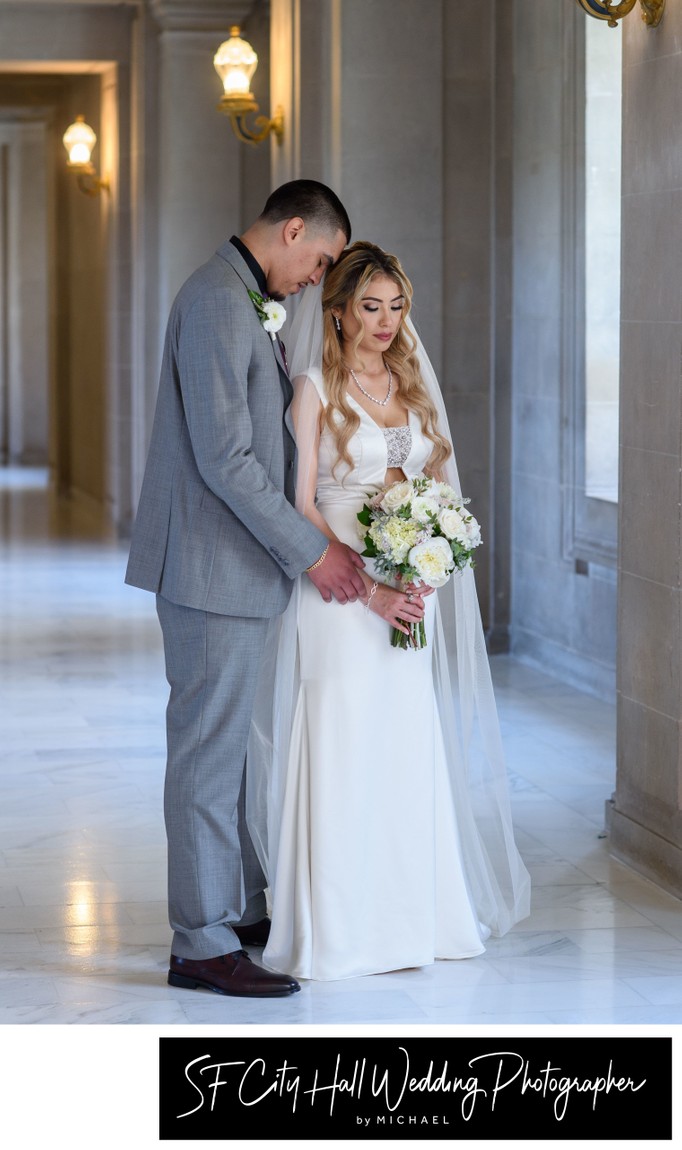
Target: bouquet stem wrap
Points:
(415, 639)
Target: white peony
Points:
(422, 507)
(396, 495)
(452, 524)
(275, 315)
(433, 561)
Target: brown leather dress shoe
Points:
(255, 934)
(233, 974)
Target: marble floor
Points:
(84, 936)
(83, 933)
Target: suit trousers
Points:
(214, 876)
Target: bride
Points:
(377, 791)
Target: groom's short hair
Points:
(316, 204)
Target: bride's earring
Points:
(337, 321)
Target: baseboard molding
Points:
(643, 850)
(498, 641)
(570, 667)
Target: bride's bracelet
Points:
(372, 592)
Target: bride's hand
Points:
(418, 588)
(398, 607)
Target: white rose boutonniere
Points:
(271, 313)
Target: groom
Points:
(218, 540)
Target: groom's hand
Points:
(337, 575)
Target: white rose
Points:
(396, 496)
(275, 313)
(423, 507)
(432, 560)
(451, 523)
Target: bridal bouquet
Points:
(417, 530)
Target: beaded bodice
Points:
(398, 444)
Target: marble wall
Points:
(645, 820)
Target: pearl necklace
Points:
(380, 402)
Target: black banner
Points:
(530, 1089)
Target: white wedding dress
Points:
(369, 873)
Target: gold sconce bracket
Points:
(651, 10)
(239, 107)
(87, 179)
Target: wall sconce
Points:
(79, 140)
(235, 62)
(652, 10)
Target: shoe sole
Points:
(185, 983)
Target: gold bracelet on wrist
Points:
(320, 560)
(372, 592)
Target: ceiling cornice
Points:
(200, 15)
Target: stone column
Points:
(645, 823)
(477, 227)
(362, 90)
(199, 156)
(27, 285)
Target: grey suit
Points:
(217, 539)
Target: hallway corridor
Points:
(82, 849)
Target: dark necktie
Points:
(284, 354)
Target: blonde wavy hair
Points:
(346, 282)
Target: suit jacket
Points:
(215, 526)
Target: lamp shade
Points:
(235, 62)
(79, 140)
